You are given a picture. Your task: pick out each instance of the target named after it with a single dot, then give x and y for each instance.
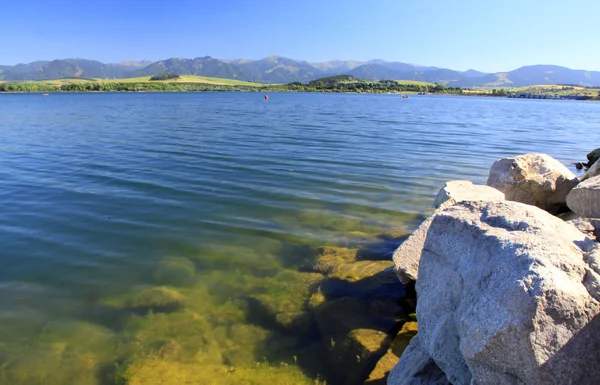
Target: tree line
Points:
(386, 86)
(165, 76)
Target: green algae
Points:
(146, 372)
(329, 258)
(148, 298)
(63, 353)
(235, 313)
(178, 271)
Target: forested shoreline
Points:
(356, 86)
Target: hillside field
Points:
(145, 79)
(414, 82)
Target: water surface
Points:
(134, 226)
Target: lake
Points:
(136, 228)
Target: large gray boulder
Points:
(509, 294)
(584, 200)
(416, 368)
(535, 179)
(408, 254)
(463, 190)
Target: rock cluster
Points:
(507, 292)
(534, 179)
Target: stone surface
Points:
(329, 258)
(381, 371)
(593, 156)
(353, 337)
(588, 226)
(535, 179)
(584, 199)
(508, 294)
(286, 303)
(463, 190)
(416, 367)
(407, 257)
(592, 172)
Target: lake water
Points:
(134, 227)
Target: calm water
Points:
(133, 225)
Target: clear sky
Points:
(488, 35)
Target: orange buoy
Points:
(266, 97)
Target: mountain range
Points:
(277, 69)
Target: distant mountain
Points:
(203, 66)
(473, 73)
(543, 74)
(132, 64)
(80, 68)
(430, 75)
(375, 72)
(277, 69)
(403, 67)
(337, 66)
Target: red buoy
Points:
(266, 97)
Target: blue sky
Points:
(488, 35)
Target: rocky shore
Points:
(507, 278)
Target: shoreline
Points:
(412, 93)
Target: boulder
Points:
(593, 156)
(463, 190)
(416, 367)
(535, 179)
(592, 172)
(584, 199)
(508, 294)
(588, 226)
(407, 257)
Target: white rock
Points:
(584, 200)
(534, 179)
(463, 190)
(508, 294)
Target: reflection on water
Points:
(216, 238)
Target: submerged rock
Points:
(507, 294)
(354, 338)
(387, 362)
(463, 190)
(330, 258)
(286, 299)
(177, 271)
(584, 199)
(353, 272)
(155, 372)
(155, 298)
(535, 179)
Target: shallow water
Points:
(134, 227)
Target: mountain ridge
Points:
(278, 69)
